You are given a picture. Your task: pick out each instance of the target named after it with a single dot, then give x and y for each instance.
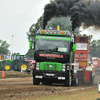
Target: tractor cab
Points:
(17, 58)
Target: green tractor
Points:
(16, 63)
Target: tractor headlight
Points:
(63, 67)
(67, 67)
(37, 66)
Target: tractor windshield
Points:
(20, 57)
(52, 45)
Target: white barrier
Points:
(99, 86)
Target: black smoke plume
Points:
(82, 13)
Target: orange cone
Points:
(3, 74)
(26, 72)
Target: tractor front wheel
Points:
(7, 67)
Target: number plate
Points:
(47, 74)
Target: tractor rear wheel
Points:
(75, 82)
(91, 79)
(80, 77)
(7, 67)
(23, 65)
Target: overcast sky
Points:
(91, 31)
(16, 16)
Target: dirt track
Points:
(22, 87)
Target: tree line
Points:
(65, 24)
(4, 48)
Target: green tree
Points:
(93, 48)
(98, 48)
(63, 22)
(34, 28)
(31, 35)
(30, 53)
(84, 34)
(4, 47)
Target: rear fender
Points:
(21, 62)
(5, 61)
(16, 66)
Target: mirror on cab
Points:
(32, 44)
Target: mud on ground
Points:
(20, 87)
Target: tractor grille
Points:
(50, 66)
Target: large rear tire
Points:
(91, 79)
(23, 65)
(75, 82)
(80, 76)
(7, 67)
